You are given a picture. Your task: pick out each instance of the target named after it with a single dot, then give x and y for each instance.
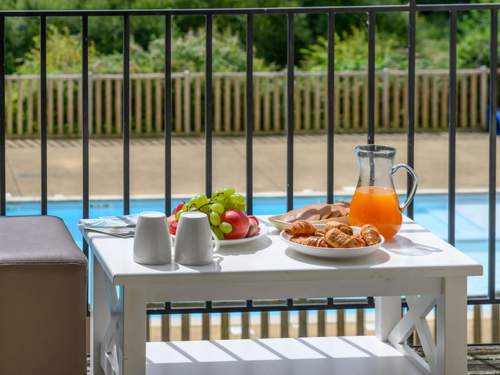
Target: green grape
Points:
(218, 233)
(217, 207)
(214, 218)
(225, 227)
(199, 200)
(228, 192)
(237, 201)
(205, 209)
(237, 198)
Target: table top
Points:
(414, 252)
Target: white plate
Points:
(329, 252)
(262, 232)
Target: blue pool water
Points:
(431, 211)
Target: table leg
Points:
(452, 327)
(133, 342)
(387, 315)
(100, 317)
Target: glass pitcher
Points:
(375, 200)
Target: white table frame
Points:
(121, 294)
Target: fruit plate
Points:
(330, 252)
(262, 233)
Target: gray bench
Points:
(43, 299)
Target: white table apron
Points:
(418, 265)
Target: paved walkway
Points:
(65, 164)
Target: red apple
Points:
(239, 221)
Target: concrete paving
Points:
(188, 155)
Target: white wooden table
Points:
(416, 264)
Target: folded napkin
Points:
(120, 221)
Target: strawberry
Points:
(173, 227)
(178, 208)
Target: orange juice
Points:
(378, 206)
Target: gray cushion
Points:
(37, 239)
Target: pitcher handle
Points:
(216, 241)
(414, 185)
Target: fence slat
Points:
(495, 323)
(29, 123)
(50, 106)
(227, 105)
(484, 95)
(108, 109)
(205, 327)
(307, 104)
(197, 105)
(187, 103)
(237, 105)
(165, 327)
(425, 102)
(256, 103)
(360, 322)
(473, 100)
(365, 104)
(158, 106)
(264, 324)
(303, 323)
(267, 107)
(340, 323)
(149, 105)
(217, 104)
(9, 107)
(463, 102)
(284, 320)
(396, 114)
(245, 325)
(177, 112)
(185, 327)
(79, 106)
(347, 106)
(60, 107)
(297, 106)
(321, 323)
(444, 104)
(405, 103)
(138, 106)
(224, 326)
(317, 104)
(70, 115)
(118, 106)
(277, 103)
(355, 104)
(98, 106)
(477, 326)
(20, 98)
(385, 100)
(435, 101)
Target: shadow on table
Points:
(405, 246)
(373, 259)
(247, 248)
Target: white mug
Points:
(195, 243)
(152, 242)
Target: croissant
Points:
(310, 241)
(370, 234)
(341, 226)
(336, 238)
(301, 228)
(355, 241)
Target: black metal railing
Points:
(330, 12)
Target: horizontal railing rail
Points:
(290, 107)
(65, 114)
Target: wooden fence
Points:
(64, 107)
(483, 325)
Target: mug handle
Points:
(414, 180)
(216, 241)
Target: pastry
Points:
(341, 226)
(355, 241)
(301, 228)
(336, 238)
(370, 234)
(316, 241)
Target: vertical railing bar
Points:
(168, 114)
(126, 114)
(208, 104)
(43, 114)
(452, 127)
(410, 144)
(331, 109)
(492, 156)
(85, 123)
(371, 77)
(290, 111)
(3, 161)
(249, 114)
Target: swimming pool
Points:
(431, 211)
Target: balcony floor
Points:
(482, 360)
